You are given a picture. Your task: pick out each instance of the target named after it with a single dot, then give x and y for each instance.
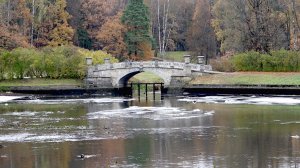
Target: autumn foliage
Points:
(140, 29)
(111, 37)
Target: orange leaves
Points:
(110, 37)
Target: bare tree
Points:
(32, 23)
(295, 25)
(163, 25)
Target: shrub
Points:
(276, 61)
(98, 56)
(7, 62)
(51, 62)
(250, 61)
(223, 64)
(2, 66)
(64, 62)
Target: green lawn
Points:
(250, 78)
(146, 77)
(175, 55)
(41, 82)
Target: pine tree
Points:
(136, 18)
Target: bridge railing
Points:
(152, 64)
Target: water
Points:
(212, 131)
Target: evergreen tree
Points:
(136, 18)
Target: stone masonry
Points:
(116, 75)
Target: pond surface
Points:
(211, 131)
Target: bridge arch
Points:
(124, 78)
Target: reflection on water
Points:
(174, 132)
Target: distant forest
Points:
(203, 27)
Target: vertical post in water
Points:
(161, 90)
(132, 90)
(139, 91)
(146, 90)
(153, 91)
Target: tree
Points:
(258, 25)
(62, 33)
(174, 19)
(293, 8)
(15, 20)
(136, 18)
(162, 21)
(202, 39)
(111, 36)
(94, 14)
(9, 40)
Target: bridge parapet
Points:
(152, 64)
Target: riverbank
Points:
(246, 83)
(249, 78)
(222, 83)
(15, 87)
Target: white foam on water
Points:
(154, 113)
(22, 114)
(288, 100)
(74, 101)
(49, 138)
(209, 113)
(2, 120)
(291, 122)
(53, 137)
(295, 136)
(18, 137)
(4, 99)
(86, 156)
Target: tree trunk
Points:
(295, 25)
(159, 27)
(165, 25)
(32, 22)
(8, 12)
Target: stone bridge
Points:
(116, 75)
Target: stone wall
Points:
(174, 74)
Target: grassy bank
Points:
(175, 56)
(250, 78)
(237, 78)
(146, 77)
(40, 82)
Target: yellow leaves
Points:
(98, 56)
(111, 36)
(147, 51)
(61, 35)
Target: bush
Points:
(250, 61)
(223, 64)
(22, 60)
(2, 66)
(50, 62)
(7, 61)
(63, 62)
(276, 61)
(98, 56)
